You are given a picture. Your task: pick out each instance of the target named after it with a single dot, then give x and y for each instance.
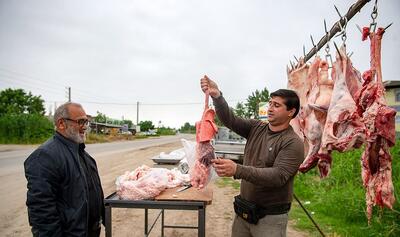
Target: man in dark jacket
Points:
(64, 195)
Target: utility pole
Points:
(69, 93)
(137, 113)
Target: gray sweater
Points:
(271, 159)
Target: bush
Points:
(166, 131)
(25, 128)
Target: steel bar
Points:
(309, 216)
(356, 7)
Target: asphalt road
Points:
(13, 217)
(11, 161)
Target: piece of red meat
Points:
(379, 119)
(343, 129)
(205, 131)
(315, 109)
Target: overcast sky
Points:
(115, 53)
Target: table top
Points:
(190, 194)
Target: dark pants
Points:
(94, 233)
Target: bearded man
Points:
(64, 196)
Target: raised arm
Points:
(225, 114)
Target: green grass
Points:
(338, 202)
(228, 182)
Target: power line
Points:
(28, 76)
(50, 83)
(148, 104)
(41, 85)
(55, 89)
(26, 84)
(16, 78)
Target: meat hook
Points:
(337, 49)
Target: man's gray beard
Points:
(74, 135)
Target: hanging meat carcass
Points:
(298, 81)
(379, 118)
(315, 111)
(205, 131)
(343, 129)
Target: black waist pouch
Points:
(246, 210)
(251, 213)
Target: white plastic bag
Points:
(190, 150)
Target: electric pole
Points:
(69, 93)
(137, 113)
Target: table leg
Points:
(202, 222)
(108, 221)
(146, 222)
(162, 223)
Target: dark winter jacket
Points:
(57, 196)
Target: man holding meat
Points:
(272, 155)
(64, 196)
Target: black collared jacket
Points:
(57, 189)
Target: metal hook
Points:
(328, 56)
(359, 28)
(387, 26)
(327, 39)
(374, 15)
(314, 46)
(343, 27)
(350, 54)
(337, 10)
(312, 41)
(296, 59)
(326, 29)
(338, 51)
(291, 64)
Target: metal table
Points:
(190, 199)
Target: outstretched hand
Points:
(208, 84)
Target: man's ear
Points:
(61, 124)
(292, 111)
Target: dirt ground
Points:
(130, 222)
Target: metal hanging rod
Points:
(356, 7)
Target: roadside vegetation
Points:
(22, 119)
(188, 128)
(337, 203)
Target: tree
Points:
(218, 121)
(240, 110)
(188, 128)
(100, 117)
(146, 125)
(253, 100)
(17, 101)
(126, 121)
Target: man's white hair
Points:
(63, 112)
